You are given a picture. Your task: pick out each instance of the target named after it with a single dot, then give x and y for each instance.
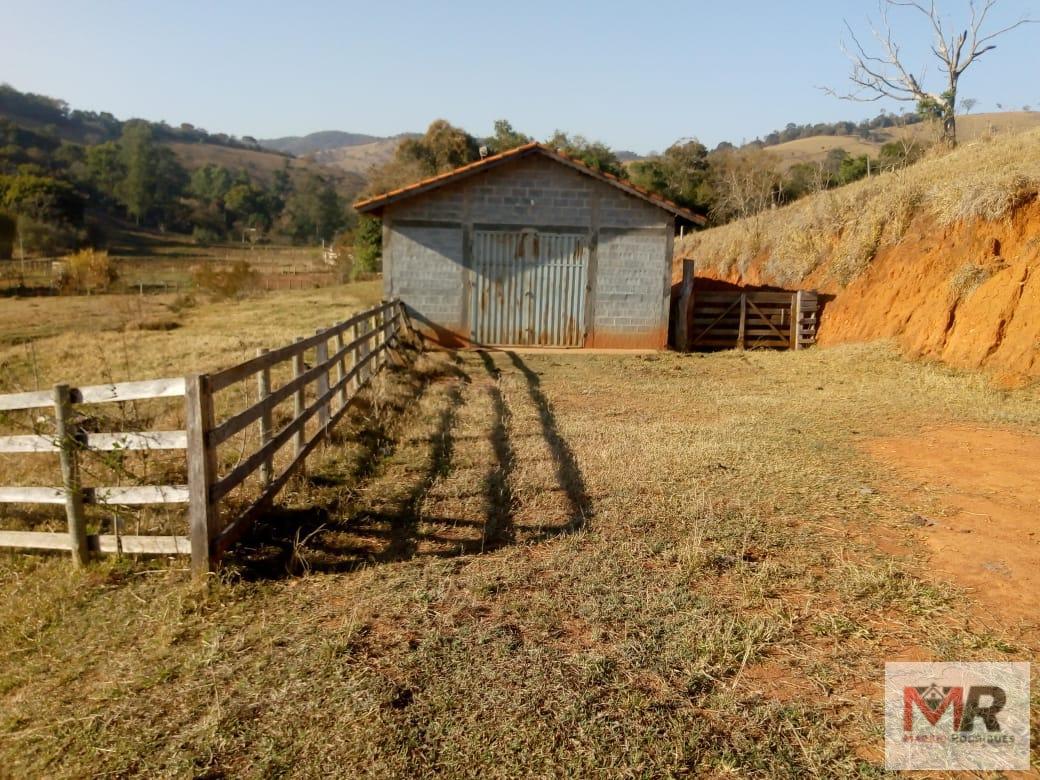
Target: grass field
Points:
(523, 565)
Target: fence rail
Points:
(360, 347)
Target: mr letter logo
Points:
(956, 716)
(934, 701)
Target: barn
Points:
(530, 247)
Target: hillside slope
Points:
(262, 165)
(969, 128)
(943, 257)
(316, 142)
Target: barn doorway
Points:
(529, 288)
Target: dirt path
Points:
(977, 498)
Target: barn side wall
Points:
(427, 243)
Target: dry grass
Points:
(969, 128)
(545, 565)
(85, 340)
(838, 233)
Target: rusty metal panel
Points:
(529, 288)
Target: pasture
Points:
(510, 563)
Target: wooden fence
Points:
(744, 319)
(331, 367)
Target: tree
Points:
(680, 174)
(968, 105)
(152, 177)
(315, 212)
(745, 182)
(506, 138)
(886, 75)
(440, 149)
(594, 154)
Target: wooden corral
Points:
(743, 318)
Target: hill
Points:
(969, 127)
(262, 165)
(317, 142)
(940, 256)
(358, 159)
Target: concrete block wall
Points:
(423, 267)
(423, 258)
(630, 281)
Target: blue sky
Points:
(637, 75)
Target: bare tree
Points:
(885, 74)
(968, 105)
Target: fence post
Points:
(263, 382)
(321, 352)
(202, 469)
(363, 350)
(298, 404)
(743, 321)
(796, 317)
(682, 315)
(69, 443)
(341, 370)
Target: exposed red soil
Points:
(906, 294)
(976, 495)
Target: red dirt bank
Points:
(906, 294)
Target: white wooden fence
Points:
(336, 374)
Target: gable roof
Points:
(377, 203)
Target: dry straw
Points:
(840, 231)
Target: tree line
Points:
(724, 184)
(57, 195)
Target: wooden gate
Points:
(529, 288)
(750, 320)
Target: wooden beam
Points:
(743, 321)
(682, 314)
(202, 467)
(66, 432)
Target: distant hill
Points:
(262, 165)
(969, 127)
(317, 142)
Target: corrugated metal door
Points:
(529, 288)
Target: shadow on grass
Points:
(568, 474)
(338, 532)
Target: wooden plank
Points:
(796, 315)
(140, 494)
(202, 507)
(141, 440)
(263, 390)
(28, 443)
(141, 545)
(298, 401)
(743, 321)
(764, 318)
(35, 400)
(321, 360)
(241, 524)
(228, 376)
(682, 313)
(66, 434)
(35, 540)
(292, 430)
(130, 391)
(32, 495)
(238, 422)
(718, 319)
